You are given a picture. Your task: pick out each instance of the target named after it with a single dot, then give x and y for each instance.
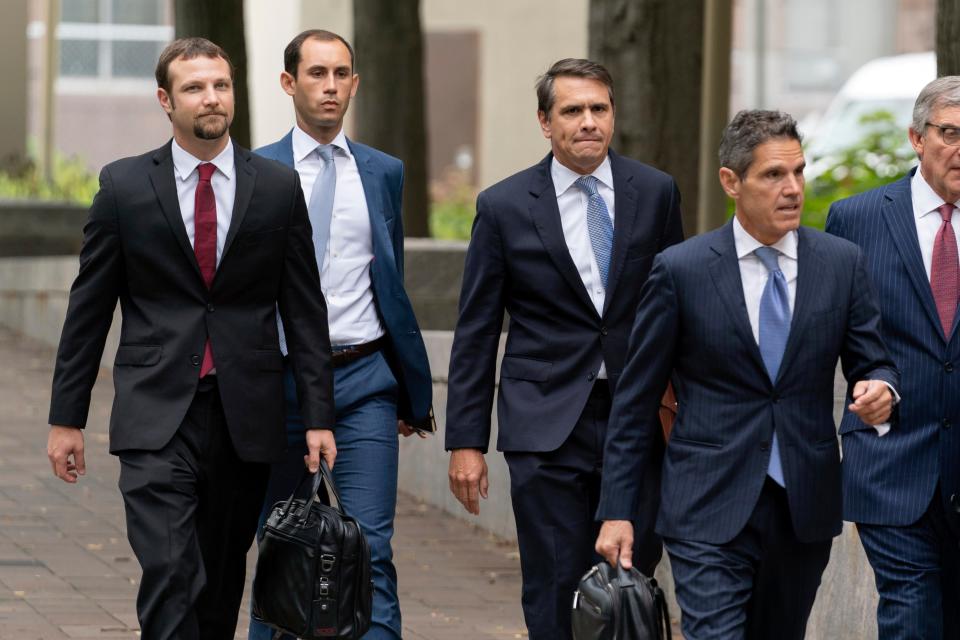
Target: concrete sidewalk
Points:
(66, 570)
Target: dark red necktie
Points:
(205, 240)
(944, 268)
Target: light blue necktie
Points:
(774, 331)
(320, 210)
(598, 225)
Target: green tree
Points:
(948, 37)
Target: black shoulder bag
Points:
(313, 573)
(616, 604)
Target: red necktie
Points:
(205, 240)
(944, 276)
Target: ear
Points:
(916, 141)
(288, 83)
(544, 124)
(356, 84)
(730, 182)
(164, 98)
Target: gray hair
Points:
(942, 92)
(571, 67)
(748, 130)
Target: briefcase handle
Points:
(322, 476)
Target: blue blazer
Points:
(693, 321)
(382, 178)
(891, 480)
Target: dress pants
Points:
(917, 570)
(191, 512)
(555, 497)
(761, 585)
(365, 397)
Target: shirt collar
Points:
(564, 177)
(925, 199)
(746, 244)
(185, 163)
(304, 144)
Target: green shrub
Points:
(452, 207)
(72, 182)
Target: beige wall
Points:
(13, 70)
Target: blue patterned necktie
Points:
(320, 210)
(598, 225)
(774, 331)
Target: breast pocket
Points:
(253, 238)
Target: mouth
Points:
(789, 209)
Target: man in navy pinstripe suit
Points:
(903, 489)
(750, 319)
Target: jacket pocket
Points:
(695, 443)
(519, 368)
(138, 355)
(269, 360)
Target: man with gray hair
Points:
(751, 330)
(563, 247)
(903, 489)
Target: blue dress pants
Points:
(365, 396)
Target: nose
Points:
(588, 123)
(210, 96)
(329, 83)
(793, 184)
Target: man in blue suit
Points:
(380, 364)
(563, 248)
(750, 320)
(903, 489)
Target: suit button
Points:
(764, 446)
(195, 360)
(776, 399)
(210, 307)
(591, 376)
(948, 367)
(955, 502)
(603, 331)
(945, 424)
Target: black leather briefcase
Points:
(616, 604)
(313, 573)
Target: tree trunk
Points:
(390, 105)
(221, 21)
(654, 50)
(948, 37)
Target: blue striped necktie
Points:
(774, 331)
(598, 225)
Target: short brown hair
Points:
(748, 130)
(572, 67)
(187, 48)
(292, 57)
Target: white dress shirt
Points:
(572, 202)
(925, 203)
(223, 183)
(345, 265)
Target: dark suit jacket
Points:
(136, 249)
(693, 321)
(518, 261)
(890, 480)
(382, 178)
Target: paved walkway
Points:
(66, 570)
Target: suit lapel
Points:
(165, 187)
(725, 272)
(546, 219)
(285, 150)
(898, 214)
(625, 204)
(246, 177)
(373, 192)
(809, 268)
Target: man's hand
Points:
(65, 451)
(872, 401)
(468, 478)
(406, 430)
(320, 442)
(615, 542)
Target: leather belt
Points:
(343, 356)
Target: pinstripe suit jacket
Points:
(693, 321)
(890, 480)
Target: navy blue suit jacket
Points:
(382, 178)
(693, 322)
(890, 480)
(518, 262)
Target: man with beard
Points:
(201, 242)
(382, 381)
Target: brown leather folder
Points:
(668, 411)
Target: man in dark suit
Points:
(381, 372)
(903, 489)
(563, 247)
(750, 320)
(201, 242)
